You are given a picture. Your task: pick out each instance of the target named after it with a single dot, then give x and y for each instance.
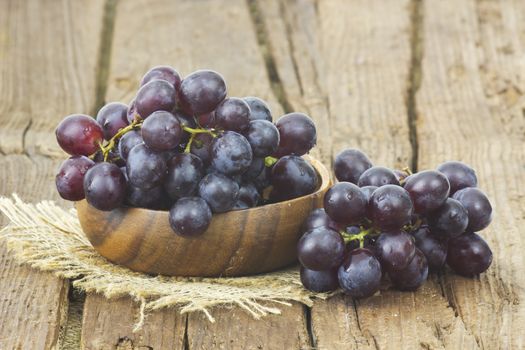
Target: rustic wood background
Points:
(411, 82)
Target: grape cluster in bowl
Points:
(183, 145)
(378, 223)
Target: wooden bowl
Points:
(237, 243)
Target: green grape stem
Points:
(105, 149)
(193, 131)
(269, 161)
(358, 236)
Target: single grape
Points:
(367, 191)
(190, 216)
(395, 249)
(293, 177)
(412, 276)
(450, 220)
(112, 117)
(434, 249)
(105, 186)
(345, 203)
(231, 153)
(79, 135)
(258, 109)
(185, 171)
(263, 180)
(152, 198)
(161, 131)
(360, 274)
(459, 175)
(350, 164)
(219, 191)
(377, 176)
(145, 167)
(202, 91)
(321, 249)
(468, 254)
(263, 136)
(319, 281)
(207, 120)
(254, 170)
(478, 207)
(128, 141)
(157, 95)
(428, 190)
(232, 114)
(390, 207)
(249, 195)
(202, 147)
(319, 218)
(70, 177)
(162, 73)
(297, 134)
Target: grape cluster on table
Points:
(379, 224)
(183, 145)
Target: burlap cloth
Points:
(50, 238)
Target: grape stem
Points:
(135, 124)
(269, 161)
(358, 236)
(193, 131)
(187, 149)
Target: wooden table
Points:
(410, 82)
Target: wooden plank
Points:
(471, 107)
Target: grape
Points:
(367, 191)
(360, 274)
(319, 281)
(377, 176)
(185, 171)
(232, 114)
(202, 91)
(185, 121)
(450, 220)
(207, 120)
(162, 73)
(112, 117)
(459, 175)
(190, 216)
(319, 218)
(254, 170)
(70, 177)
(321, 249)
(219, 192)
(157, 95)
(428, 190)
(350, 164)
(412, 276)
(390, 207)
(127, 142)
(297, 134)
(152, 198)
(293, 177)
(263, 136)
(468, 254)
(434, 249)
(395, 249)
(79, 135)
(263, 180)
(132, 111)
(240, 205)
(145, 167)
(478, 207)
(202, 147)
(345, 203)
(258, 109)
(105, 186)
(249, 195)
(161, 131)
(231, 153)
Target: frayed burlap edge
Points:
(50, 238)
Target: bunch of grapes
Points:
(183, 145)
(379, 223)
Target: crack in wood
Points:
(70, 337)
(308, 320)
(186, 342)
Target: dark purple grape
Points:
(202, 147)
(240, 205)
(255, 168)
(263, 180)
(249, 195)
(428, 190)
(450, 220)
(350, 164)
(459, 175)
(321, 249)
(297, 134)
(145, 167)
(434, 249)
(202, 91)
(232, 114)
(258, 109)
(367, 191)
(468, 254)
(190, 216)
(79, 135)
(319, 218)
(390, 207)
(220, 192)
(105, 186)
(319, 281)
(128, 141)
(263, 136)
(293, 177)
(185, 121)
(360, 274)
(395, 249)
(478, 207)
(112, 117)
(161, 131)
(207, 120)
(377, 176)
(345, 203)
(157, 95)
(231, 153)
(70, 177)
(162, 73)
(185, 171)
(152, 198)
(412, 276)
(132, 111)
